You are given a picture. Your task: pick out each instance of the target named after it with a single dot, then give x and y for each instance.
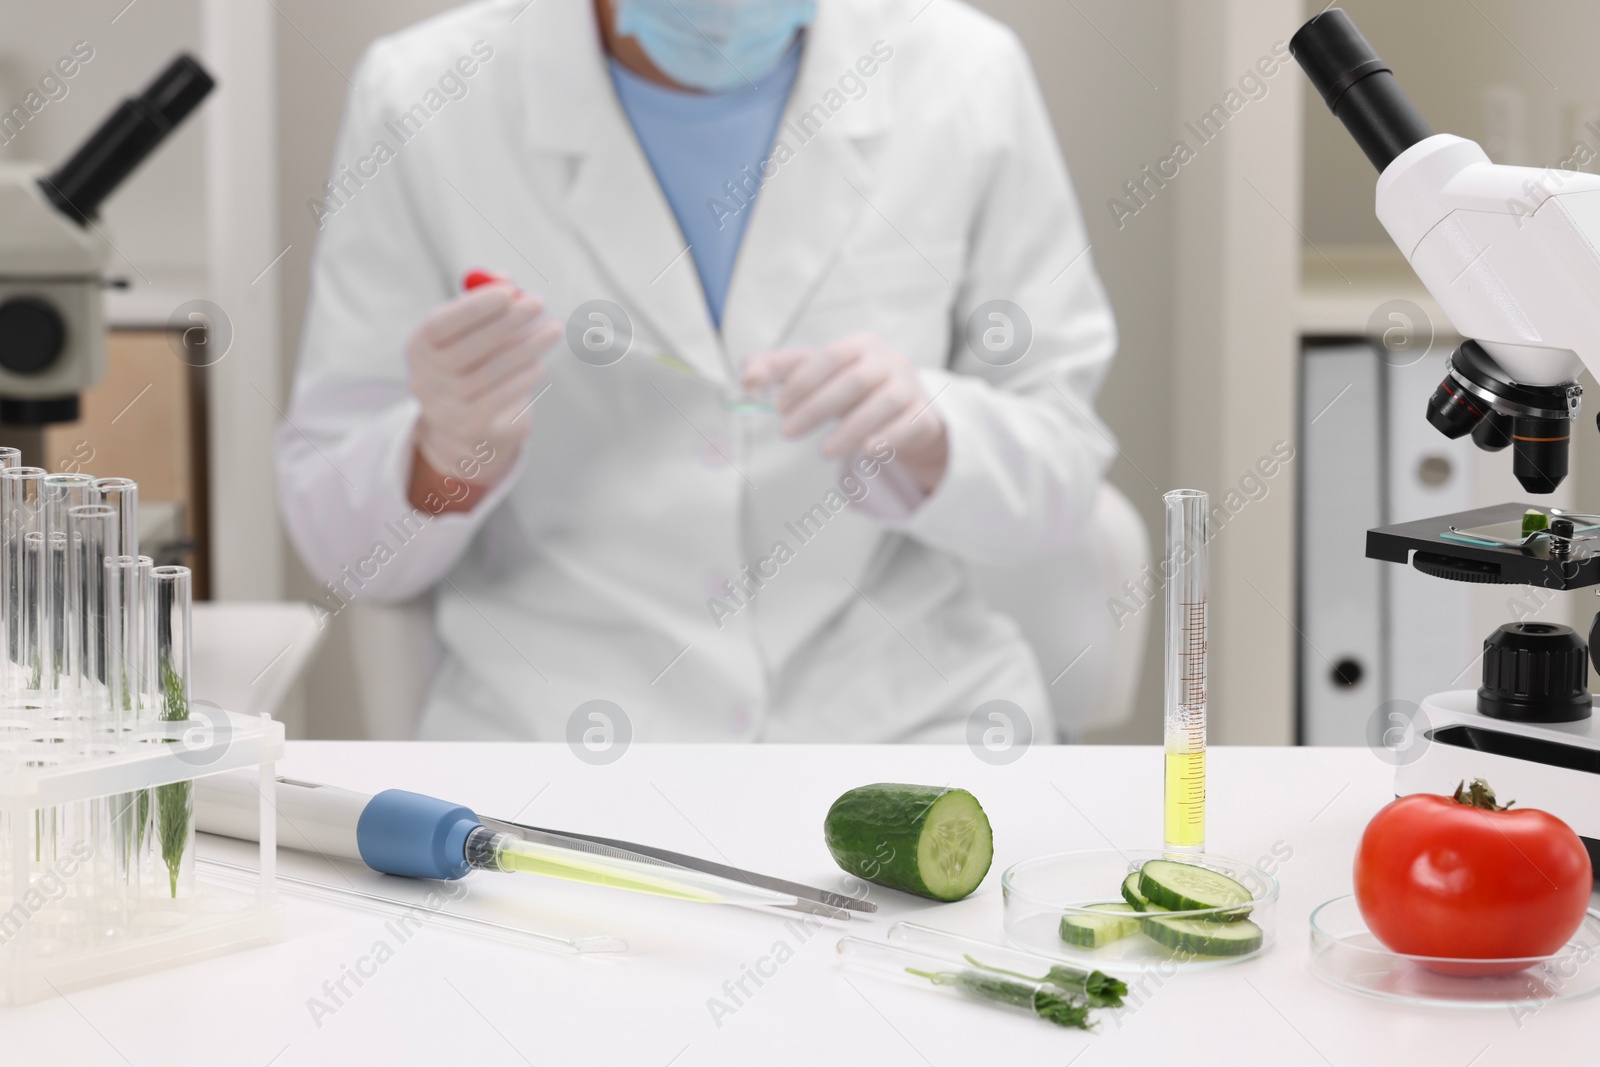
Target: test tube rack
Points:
(100, 745)
(72, 914)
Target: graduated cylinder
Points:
(1185, 569)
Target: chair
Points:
(1092, 664)
(246, 657)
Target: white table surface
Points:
(448, 998)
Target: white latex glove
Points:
(871, 388)
(475, 365)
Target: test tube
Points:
(10, 859)
(124, 578)
(123, 656)
(22, 502)
(9, 457)
(168, 596)
(60, 639)
(92, 532)
(95, 530)
(1016, 993)
(1185, 571)
(1002, 959)
(138, 656)
(123, 494)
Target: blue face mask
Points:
(714, 45)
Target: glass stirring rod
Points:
(1185, 569)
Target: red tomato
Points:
(1460, 877)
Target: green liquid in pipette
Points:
(519, 856)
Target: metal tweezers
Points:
(809, 899)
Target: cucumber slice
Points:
(922, 839)
(1187, 887)
(1093, 931)
(1137, 900)
(1203, 937)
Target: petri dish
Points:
(1347, 954)
(1040, 892)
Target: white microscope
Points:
(1512, 255)
(53, 254)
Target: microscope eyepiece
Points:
(1358, 87)
(179, 89)
(125, 138)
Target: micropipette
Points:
(1184, 729)
(407, 834)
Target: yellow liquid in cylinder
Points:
(1186, 799)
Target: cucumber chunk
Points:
(1187, 887)
(1203, 937)
(925, 840)
(1094, 931)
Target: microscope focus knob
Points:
(32, 335)
(1535, 672)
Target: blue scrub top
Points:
(706, 150)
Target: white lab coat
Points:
(593, 572)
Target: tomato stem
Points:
(1479, 795)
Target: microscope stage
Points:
(1430, 546)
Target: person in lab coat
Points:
(816, 204)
